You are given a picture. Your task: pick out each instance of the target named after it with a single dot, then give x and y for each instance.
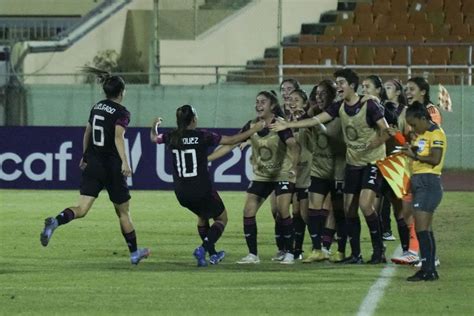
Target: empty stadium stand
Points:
(395, 33)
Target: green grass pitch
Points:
(86, 268)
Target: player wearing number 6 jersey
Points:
(192, 182)
(104, 164)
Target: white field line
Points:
(376, 291)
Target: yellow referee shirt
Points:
(434, 137)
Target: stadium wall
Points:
(229, 106)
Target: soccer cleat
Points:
(298, 254)
(137, 256)
(418, 264)
(353, 260)
(50, 224)
(200, 255)
(316, 255)
(288, 259)
(408, 257)
(377, 258)
(279, 255)
(337, 257)
(249, 259)
(216, 258)
(388, 236)
(423, 276)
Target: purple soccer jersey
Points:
(190, 165)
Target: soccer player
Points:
(327, 175)
(373, 85)
(104, 164)
(192, 182)
(298, 106)
(274, 161)
(286, 87)
(365, 131)
(428, 151)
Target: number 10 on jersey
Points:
(181, 166)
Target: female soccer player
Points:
(274, 160)
(327, 175)
(286, 87)
(428, 152)
(298, 106)
(104, 164)
(365, 131)
(192, 182)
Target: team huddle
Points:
(315, 157)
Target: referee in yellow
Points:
(427, 152)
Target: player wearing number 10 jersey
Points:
(192, 182)
(104, 164)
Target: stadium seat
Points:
(420, 55)
(469, 19)
(365, 55)
(307, 38)
(454, 18)
(383, 55)
(468, 7)
(310, 55)
(405, 28)
(352, 30)
(351, 56)
(459, 56)
(381, 7)
(440, 55)
(364, 18)
(437, 18)
(434, 5)
(418, 18)
(452, 6)
(400, 6)
(424, 29)
(345, 18)
(291, 55)
(441, 30)
(462, 30)
(326, 38)
(398, 17)
(363, 8)
(333, 30)
(344, 38)
(379, 38)
(400, 56)
(329, 53)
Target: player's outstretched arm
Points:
(120, 144)
(319, 119)
(238, 138)
(384, 135)
(220, 152)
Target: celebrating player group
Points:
(317, 158)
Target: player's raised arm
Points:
(154, 135)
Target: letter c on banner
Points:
(15, 174)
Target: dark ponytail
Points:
(184, 116)
(113, 86)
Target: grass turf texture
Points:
(86, 268)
